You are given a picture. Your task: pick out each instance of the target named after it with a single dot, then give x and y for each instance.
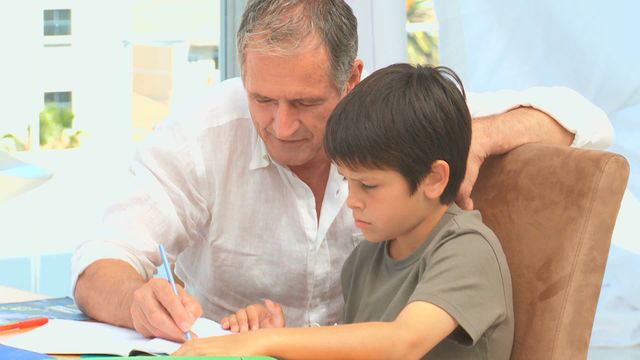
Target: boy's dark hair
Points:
(404, 118)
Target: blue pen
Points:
(165, 264)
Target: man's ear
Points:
(356, 74)
(436, 181)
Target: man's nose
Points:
(286, 121)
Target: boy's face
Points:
(383, 207)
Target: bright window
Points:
(97, 79)
(60, 99)
(174, 46)
(57, 22)
(128, 65)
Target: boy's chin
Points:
(374, 238)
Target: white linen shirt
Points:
(242, 228)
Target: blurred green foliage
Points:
(56, 132)
(13, 143)
(56, 128)
(422, 45)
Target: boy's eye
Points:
(362, 185)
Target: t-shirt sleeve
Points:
(463, 278)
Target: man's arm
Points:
(501, 133)
(113, 271)
(589, 124)
(112, 291)
(504, 132)
(417, 329)
(104, 291)
(506, 119)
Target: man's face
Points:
(290, 100)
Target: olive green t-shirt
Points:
(460, 268)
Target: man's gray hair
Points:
(281, 26)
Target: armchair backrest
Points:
(553, 209)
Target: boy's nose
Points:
(353, 203)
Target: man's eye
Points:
(369, 187)
(263, 101)
(306, 104)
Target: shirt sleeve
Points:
(463, 277)
(162, 204)
(589, 124)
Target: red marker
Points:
(26, 324)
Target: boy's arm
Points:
(419, 327)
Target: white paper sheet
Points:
(83, 337)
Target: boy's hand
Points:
(254, 317)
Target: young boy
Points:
(431, 281)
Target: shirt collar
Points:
(260, 157)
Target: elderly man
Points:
(242, 194)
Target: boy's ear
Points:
(436, 181)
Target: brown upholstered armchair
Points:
(553, 209)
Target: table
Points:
(9, 295)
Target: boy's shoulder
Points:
(460, 233)
(462, 237)
(465, 222)
(455, 223)
(466, 239)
